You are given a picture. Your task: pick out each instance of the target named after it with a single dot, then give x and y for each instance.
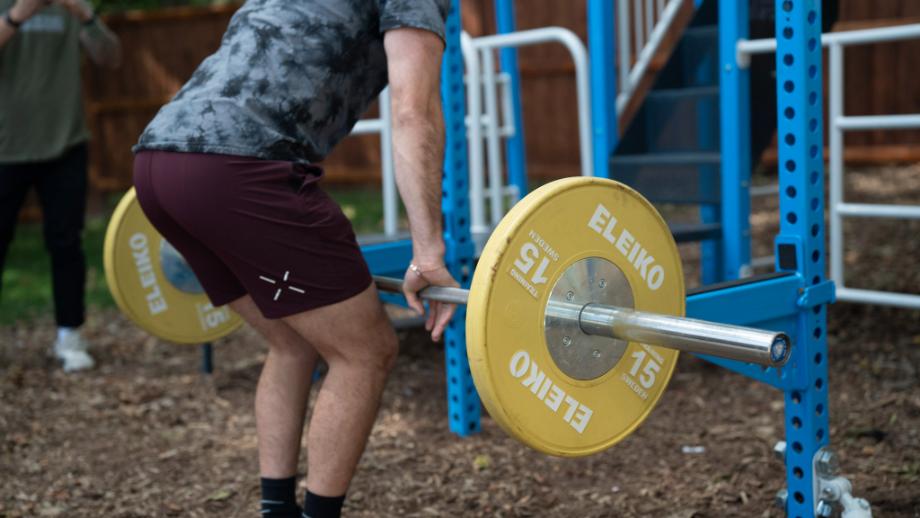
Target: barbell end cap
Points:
(780, 350)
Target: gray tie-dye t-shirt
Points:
(290, 79)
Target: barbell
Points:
(574, 314)
(739, 343)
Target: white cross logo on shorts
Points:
(287, 273)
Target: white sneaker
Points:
(71, 349)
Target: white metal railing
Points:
(483, 81)
(644, 31)
(383, 126)
(495, 125)
(771, 189)
(838, 123)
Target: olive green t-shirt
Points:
(41, 107)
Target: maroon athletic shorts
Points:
(253, 226)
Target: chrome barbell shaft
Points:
(686, 334)
(438, 293)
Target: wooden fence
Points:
(163, 48)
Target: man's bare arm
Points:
(6, 32)
(414, 65)
(100, 44)
(414, 68)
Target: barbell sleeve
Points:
(740, 343)
(744, 344)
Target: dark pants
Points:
(61, 188)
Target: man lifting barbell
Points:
(226, 172)
(568, 307)
(574, 317)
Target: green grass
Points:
(26, 290)
(364, 207)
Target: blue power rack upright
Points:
(793, 299)
(733, 252)
(514, 146)
(800, 243)
(463, 405)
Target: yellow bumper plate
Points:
(172, 307)
(521, 386)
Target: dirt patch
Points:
(147, 435)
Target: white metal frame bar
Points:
(495, 127)
(871, 210)
(649, 18)
(383, 126)
(638, 25)
(474, 134)
(838, 124)
(835, 138)
(579, 54)
(872, 122)
(656, 32)
(493, 138)
(858, 37)
(764, 190)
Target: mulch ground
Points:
(146, 435)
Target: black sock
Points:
(315, 506)
(279, 497)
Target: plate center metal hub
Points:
(577, 354)
(177, 271)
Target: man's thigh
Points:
(276, 331)
(354, 330)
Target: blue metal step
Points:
(666, 159)
(681, 178)
(703, 33)
(677, 94)
(694, 61)
(699, 56)
(681, 120)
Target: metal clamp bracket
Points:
(816, 295)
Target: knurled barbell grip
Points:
(438, 293)
(686, 334)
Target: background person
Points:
(43, 142)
